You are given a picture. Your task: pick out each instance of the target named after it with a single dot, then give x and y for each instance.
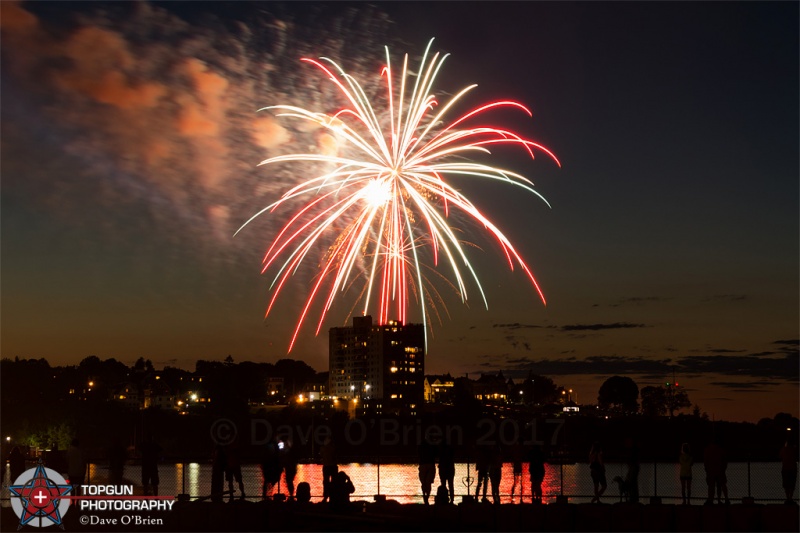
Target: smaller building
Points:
(491, 388)
(439, 388)
(275, 387)
(316, 388)
(128, 395)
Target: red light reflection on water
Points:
(401, 482)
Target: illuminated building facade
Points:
(378, 362)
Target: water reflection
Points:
(401, 482)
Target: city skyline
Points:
(131, 139)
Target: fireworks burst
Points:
(375, 209)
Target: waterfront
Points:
(400, 481)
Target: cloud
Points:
(268, 133)
(781, 368)
(596, 365)
(791, 342)
(727, 298)
(747, 385)
(516, 325)
(598, 327)
(638, 301)
(161, 113)
(784, 367)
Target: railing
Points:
(758, 482)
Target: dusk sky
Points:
(131, 138)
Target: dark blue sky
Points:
(129, 152)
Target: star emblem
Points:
(40, 497)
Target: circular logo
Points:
(40, 497)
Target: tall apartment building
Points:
(378, 362)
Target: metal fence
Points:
(760, 481)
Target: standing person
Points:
(597, 467)
(788, 456)
(76, 465)
(686, 461)
(117, 455)
(495, 472)
(218, 466)
(233, 470)
(427, 467)
(482, 468)
(715, 464)
(16, 463)
(329, 467)
(289, 460)
(516, 463)
(536, 470)
(447, 468)
(54, 458)
(150, 454)
(270, 467)
(632, 475)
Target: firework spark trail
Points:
(393, 198)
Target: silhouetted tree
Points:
(654, 401)
(538, 389)
(619, 393)
(658, 401)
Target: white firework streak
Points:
(393, 197)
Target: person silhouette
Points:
(340, 490)
(16, 463)
(54, 458)
(597, 468)
(788, 456)
(270, 468)
(150, 451)
(515, 453)
(716, 463)
(482, 458)
(427, 467)
(329, 466)
(303, 492)
(117, 456)
(495, 471)
(219, 464)
(536, 462)
(447, 468)
(289, 461)
(632, 474)
(233, 470)
(686, 462)
(76, 465)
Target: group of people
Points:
(280, 459)
(428, 453)
(715, 464)
(74, 463)
(489, 471)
